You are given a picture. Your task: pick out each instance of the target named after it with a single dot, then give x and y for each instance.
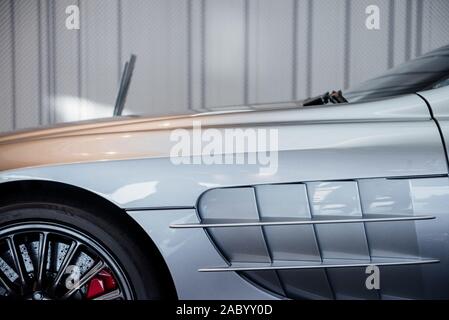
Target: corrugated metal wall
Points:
(198, 54)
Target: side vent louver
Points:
(309, 240)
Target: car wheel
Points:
(58, 252)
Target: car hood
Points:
(142, 137)
(111, 139)
(243, 115)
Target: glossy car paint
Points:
(186, 252)
(314, 144)
(149, 137)
(439, 102)
(128, 164)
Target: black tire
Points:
(115, 237)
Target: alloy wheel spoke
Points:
(16, 259)
(67, 258)
(43, 246)
(4, 284)
(88, 276)
(113, 295)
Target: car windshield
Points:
(428, 71)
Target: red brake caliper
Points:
(103, 282)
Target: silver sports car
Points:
(342, 196)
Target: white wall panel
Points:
(416, 28)
(45, 98)
(26, 26)
(225, 52)
(301, 25)
(7, 121)
(436, 26)
(401, 27)
(67, 69)
(195, 53)
(100, 59)
(369, 53)
(328, 40)
(270, 50)
(156, 31)
(198, 54)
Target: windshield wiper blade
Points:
(125, 81)
(334, 97)
(337, 97)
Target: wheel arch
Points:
(66, 194)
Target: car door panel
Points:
(353, 196)
(332, 164)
